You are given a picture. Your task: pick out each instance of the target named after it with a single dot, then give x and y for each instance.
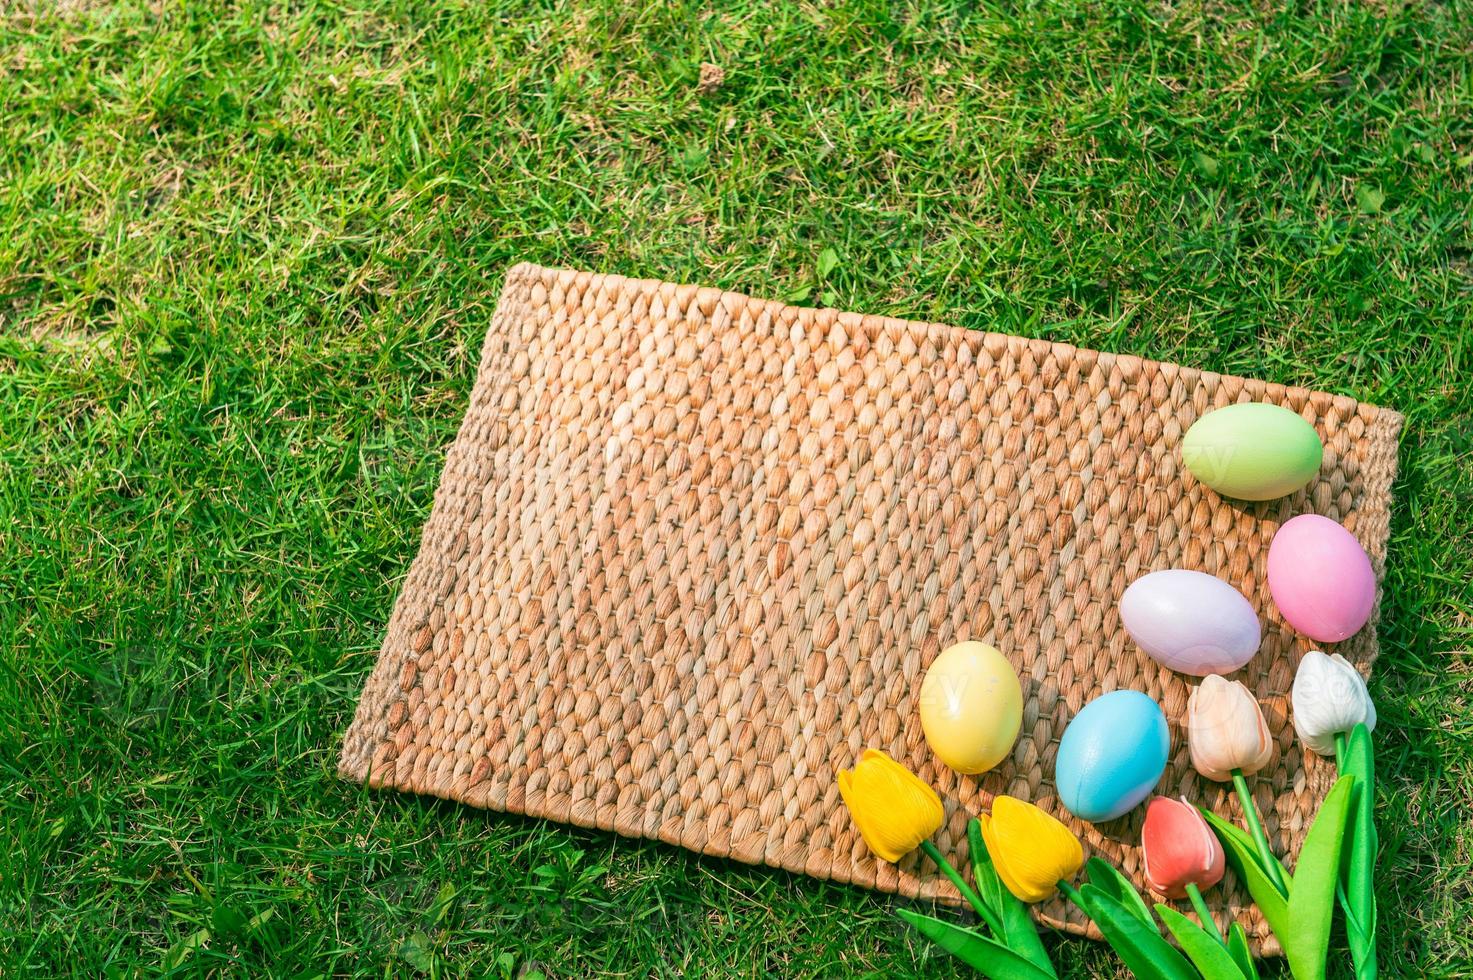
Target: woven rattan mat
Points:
(692, 552)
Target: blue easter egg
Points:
(1112, 755)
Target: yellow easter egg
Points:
(971, 707)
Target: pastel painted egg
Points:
(1320, 578)
(1112, 755)
(971, 707)
(1190, 621)
(1252, 451)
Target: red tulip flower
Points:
(1181, 852)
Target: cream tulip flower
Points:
(1226, 730)
(1329, 698)
(1229, 740)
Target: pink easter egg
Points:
(1320, 578)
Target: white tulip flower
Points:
(1329, 697)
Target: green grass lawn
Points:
(247, 257)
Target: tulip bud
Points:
(1031, 850)
(1329, 697)
(1179, 848)
(892, 808)
(1226, 730)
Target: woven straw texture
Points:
(692, 552)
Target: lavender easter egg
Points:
(1112, 755)
(1321, 578)
(1252, 451)
(1190, 621)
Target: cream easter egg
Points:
(971, 707)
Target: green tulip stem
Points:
(1195, 894)
(1255, 827)
(1072, 895)
(1340, 739)
(968, 893)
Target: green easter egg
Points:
(1252, 451)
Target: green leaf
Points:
(1246, 840)
(415, 951)
(1358, 862)
(1208, 165)
(989, 885)
(1107, 879)
(695, 157)
(974, 949)
(1369, 197)
(443, 899)
(1138, 944)
(1312, 899)
(184, 948)
(1244, 857)
(1237, 946)
(828, 260)
(1019, 933)
(1205, 952)
(227, 920)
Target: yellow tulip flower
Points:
(1031, 851)
(892, 808)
